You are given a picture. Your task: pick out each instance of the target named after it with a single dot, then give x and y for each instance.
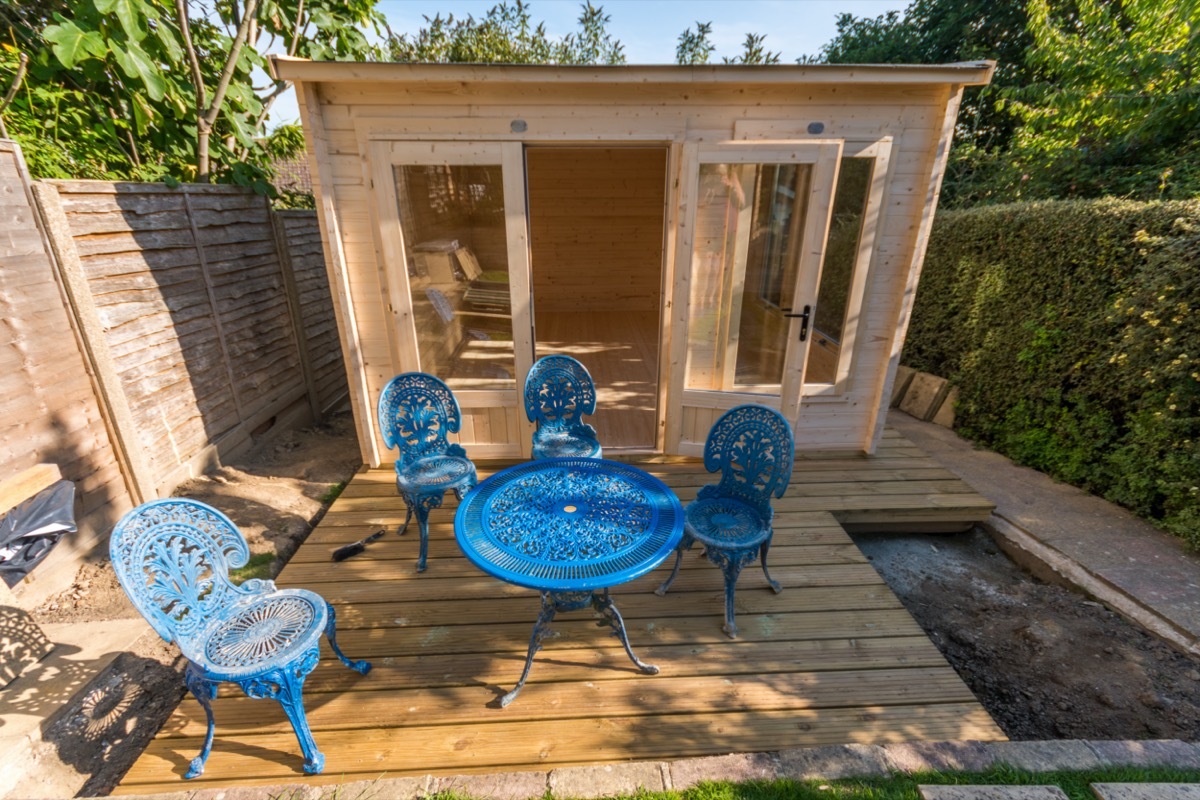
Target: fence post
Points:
(279, 227)
(113, 402)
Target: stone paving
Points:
(831, 763)
(991, 793)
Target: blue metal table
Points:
(571, 528)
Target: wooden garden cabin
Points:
(698, 237)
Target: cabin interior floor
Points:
(620, 350)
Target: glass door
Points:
(747, 275)
(452, 231)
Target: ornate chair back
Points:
(558, 393)
(416, 413)
(172, 557)
(753, 447)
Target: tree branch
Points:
(22, 62)
(235, 51)
(193, 59)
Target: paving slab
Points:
(1047, 756)
(688, 772)
(608, 780)
(991, 793)
(1146, 791)
(913, 757)
(34, 701)
(1126, 563)
(495, 786)
(924, 395)
(833, 762)
(1170, 753)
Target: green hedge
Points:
(1072, 329)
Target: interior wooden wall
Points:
(596, 227)
(49, 409)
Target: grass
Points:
(259, 566)
(1076, 785)
(332, 493)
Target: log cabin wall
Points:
(50, 411)
(345, 108)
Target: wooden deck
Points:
(835, 658)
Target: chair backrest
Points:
(558, 392)
(753, 447)
(173, 557)
(416, 413)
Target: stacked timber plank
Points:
(835, 658)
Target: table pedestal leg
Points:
(540, 629)
(604, 605)
(554, 602)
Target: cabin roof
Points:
(967, 73)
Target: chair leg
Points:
(204, 691)
(361, 667)
(684, 544)
(774, 584)
(732, 567)
(422, 512)
(408, 513)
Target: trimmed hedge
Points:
(1072, 329)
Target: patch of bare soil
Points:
(275, 495)
(1045, 661)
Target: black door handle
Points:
(804, 317)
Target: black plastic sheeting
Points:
(29, 532)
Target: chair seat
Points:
(554, 444)
(266, 630)
(725, 523)
(434, 474)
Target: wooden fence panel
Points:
(189, 288)
(303, 238)
(49, 408)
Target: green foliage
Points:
(260, 566)
(506, 34)
(754, 52)
(1118, 109)
(1069, 328)
(697, 47)
(945, 31)
(110, 92)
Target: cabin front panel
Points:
(839, 411)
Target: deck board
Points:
(834, 658)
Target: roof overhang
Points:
(970, 73)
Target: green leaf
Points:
(72, 45)
(130, 13)
(166, 35)
(143, 114)
(136, 64)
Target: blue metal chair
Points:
(416, 412)
(753, 447)
(172, 557)
(558, 392)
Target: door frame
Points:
(384, 156)
(825, 156)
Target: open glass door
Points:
(452, 229)
(747, 275)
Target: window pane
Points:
(749, 220)
(454, 238)
(837, 274)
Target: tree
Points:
(506, 34)
(1118, 111)
(696, 48)
(945, 31)
(163, 89)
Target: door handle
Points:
(804, 317)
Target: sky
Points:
(649, 29)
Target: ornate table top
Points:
(569, 524)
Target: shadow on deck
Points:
(833, 659)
